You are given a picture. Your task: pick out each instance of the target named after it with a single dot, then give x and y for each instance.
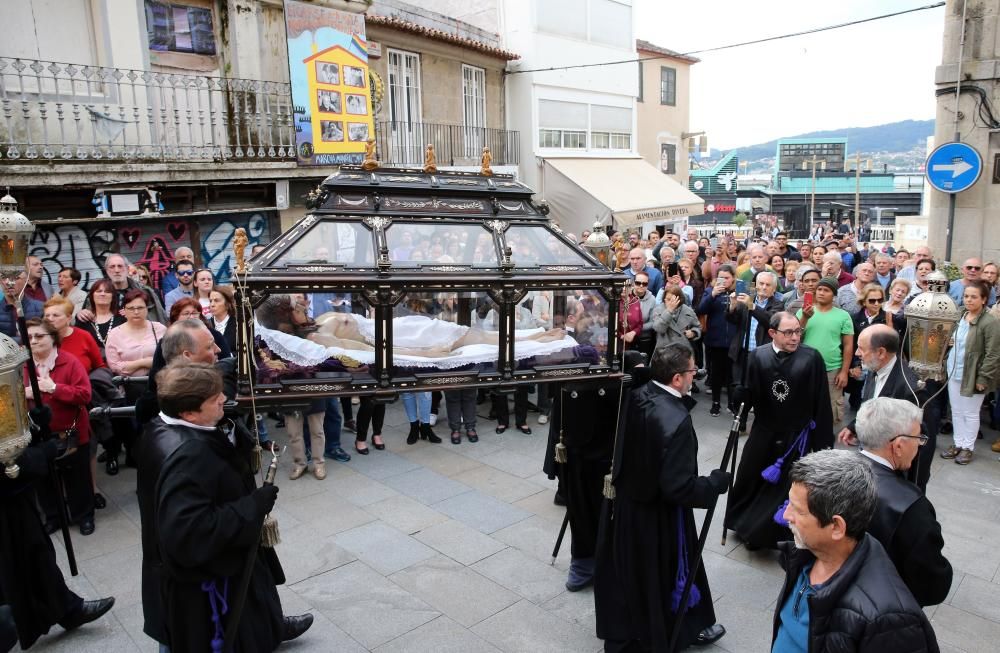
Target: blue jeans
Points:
(332, 422)
(417, 406)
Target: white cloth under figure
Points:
(410, 331)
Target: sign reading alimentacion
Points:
(328, 68)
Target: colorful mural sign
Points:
(328, 68)
(149, 242)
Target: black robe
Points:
(30, 580)
(587, 413)
(786, 393)
(206, 523)
(657, 488)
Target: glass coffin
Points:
(401, 280)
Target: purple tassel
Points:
(779, 517)
(694, 596)
(772, 474)
(675, 597)
(220, 606)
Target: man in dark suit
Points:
(753, 312)
(904, 520)
(889, 376)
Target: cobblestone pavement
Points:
(446, 548)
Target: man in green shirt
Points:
(829, 330)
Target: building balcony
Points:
(403, 143)
(71, 114)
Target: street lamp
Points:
(930, 320)
(15, 436)
(599, 244)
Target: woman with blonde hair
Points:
(899, 290)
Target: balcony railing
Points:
(403, 143)
(69, 113)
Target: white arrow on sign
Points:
(957, 169)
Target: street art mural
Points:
(149, 242)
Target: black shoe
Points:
(378, 445)
(338, 454)
(414, 433)
(111, 467)
(559, 499)
(89, 611)
(456, 437)
(363, 452)
(524, 428)
(716, 410)
(99, 501)
(472, 435)
(293, 627)
(427, 433)
(710, 635)
(351, 425)
(87, 526)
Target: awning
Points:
(629, 191)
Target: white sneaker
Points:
(433, 420)
(543, 419)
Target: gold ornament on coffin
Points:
(240, 242)
(370, 163)
(430, 160)
(485, 170)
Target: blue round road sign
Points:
(953, 167)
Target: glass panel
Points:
(536, 245)
(605, 118)
(440, 243)
(434, 332)
(575, 139)
(343, 243)
(298, 337)
(581, 317)
(600, 140)
(561, 17)
(549, 138)
(611, 23)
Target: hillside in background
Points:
(900, 145)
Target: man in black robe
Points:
(648, 542)
(31, 583)
(787, 389)
(208, 517)
(904, 520)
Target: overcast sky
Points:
(856, 76)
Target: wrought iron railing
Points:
(403, 143)
(60, 112)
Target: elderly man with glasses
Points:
(972, 270)
(904, 521)
(787, 389)
(637, 263)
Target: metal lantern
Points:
(930, 321)
(15, 435)
(15, 234)
(598, 243)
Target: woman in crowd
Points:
(719, 332)
(140, 274)
(203, 284)
(129, 349)
(777, 263)
(461, 405)
(107, 313)
(371, 413)
(223, 318)
(973, 368)
(786, 283)
(990, 274)
(674, 320)
(899, 290)
(65, 390)
(817, 256)
(686, 282)
(188, 308)
(923, 268)
(69, 287)
(712, 265)
(418, 412)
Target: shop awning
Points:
(629, 191)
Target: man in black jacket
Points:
(648, 549)
(841, 592)
(753, 312)
(904, 521)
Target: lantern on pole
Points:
(598, 243)
(15, 435)
(930, 321)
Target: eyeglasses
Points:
(640, 283)
(875, 300)
(973, 268)
(189, 314)
(185, 273)
(923, 438)
(136, 309)
(789, 333)
(691, 371)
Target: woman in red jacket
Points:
(65, 389)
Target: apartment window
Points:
(608, 22)
(610, 127)
(611, 23)
(562, 124)
(474, 109)
(404, 87)
(183, 27)
(561, 17)
(668, 86)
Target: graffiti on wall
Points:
(152, 243)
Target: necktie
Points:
(868, 389)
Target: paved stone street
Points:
(446, 548)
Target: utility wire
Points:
(815, 30)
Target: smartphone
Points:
(741, 287)
(673, 269)
(807, 300)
